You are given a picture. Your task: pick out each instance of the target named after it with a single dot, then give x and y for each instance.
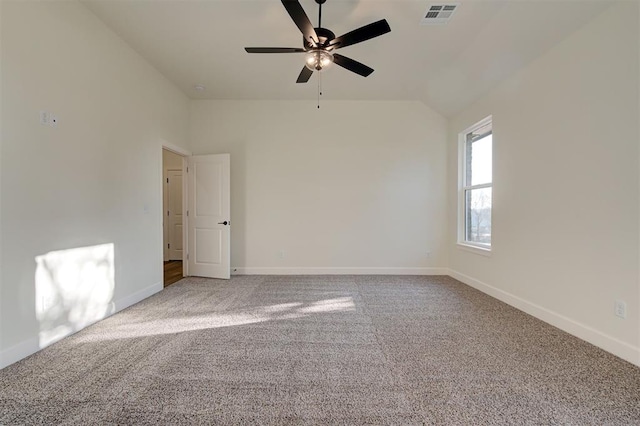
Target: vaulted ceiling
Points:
(445, 66)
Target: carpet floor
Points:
(321, 350)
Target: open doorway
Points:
(172, 202)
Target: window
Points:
(476, 151)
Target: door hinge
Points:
(167, 180)
(187, 256)
(187, 169)
(187, 213)
(167, 212)
(169, 245)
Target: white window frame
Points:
(483, 249)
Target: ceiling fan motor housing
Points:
(324, 37)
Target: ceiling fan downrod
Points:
(320, 2)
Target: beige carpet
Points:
(321, 350)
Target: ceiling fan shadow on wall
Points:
(319, 44)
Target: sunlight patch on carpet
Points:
(285, 311)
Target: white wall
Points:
(566, 192)
(353, 187)
(93, 180)
(1, 155)
(638, 181)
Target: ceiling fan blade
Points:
(352, 65)
(305, 75)
(301, 19)
(361, 34)
(273, 49)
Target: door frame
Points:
(164, 145)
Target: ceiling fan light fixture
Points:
(317, 59)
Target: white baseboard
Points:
(610, 344)
(336, 271)
(138, 296)
(32, 345)
(19, 351)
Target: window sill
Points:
(475, 249)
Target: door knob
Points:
(224, 223)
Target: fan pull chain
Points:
(319, 87)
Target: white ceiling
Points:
(445, 66)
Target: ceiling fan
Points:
(320, 43)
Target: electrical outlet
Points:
(620, 309)
(53, 120)
(281, 254)
(428, 254)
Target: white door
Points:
(209, 216)
(174, 203)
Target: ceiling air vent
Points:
(439, 13)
